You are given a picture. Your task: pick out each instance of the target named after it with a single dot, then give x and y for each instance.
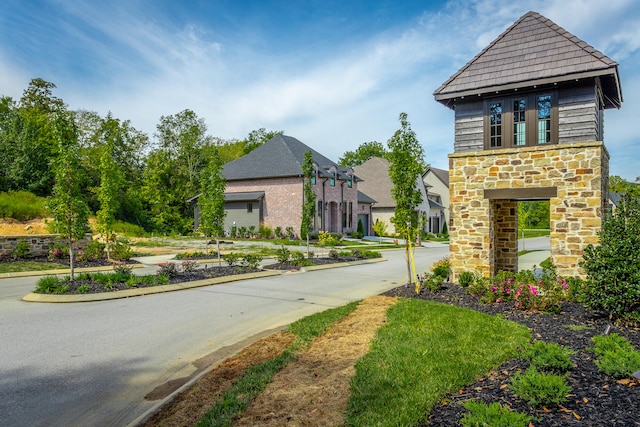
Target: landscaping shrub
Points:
(613, 266)
(129, 230)
(251, 261)
(21, 251)
(333, 254)
(283, 255)
(47, 284)
(58, 250)
(549, 357)
(168, 269)
(121, 249)
(540, 389)
(466, 279)
(265, 232)
(189, 266)
(298, 258)
(494, 415)
(442, 268)
(231, 259)
(95, 250)
(615, 356)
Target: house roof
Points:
(376, 182)
(363, 198)
(243, 196)
(435, 205)
(441, 174)
(281, 156)
(533, 51)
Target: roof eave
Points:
(447, 98)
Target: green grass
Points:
(424, 351)
(21, 205)
(21, 266)
(235, 400)
(533, 233)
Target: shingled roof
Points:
(532, 51)
(281, 156)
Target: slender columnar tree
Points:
(309, 202)
(66, 204)
(406, 157)
(211, 200)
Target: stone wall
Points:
(39, 243)
(485, 185)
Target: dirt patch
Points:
(188, 408)
(314, 389)
(12, 227)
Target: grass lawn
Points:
(533, 233)
(425, 350)
(20, 266)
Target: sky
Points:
(333, 74)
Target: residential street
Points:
(92, 363)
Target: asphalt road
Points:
(93, 363)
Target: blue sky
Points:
(333, 74)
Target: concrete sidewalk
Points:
(532, 259)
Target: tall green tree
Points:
(110, 185)
(211, 200)
(366, 151)
(172, 173)
(406, 157)
(309, 198)
(66, 204)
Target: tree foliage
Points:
(110, 185)
(613, 266)
(366, 151)
(309, 201)
(406, 166)
(211, 200)
(66, 204)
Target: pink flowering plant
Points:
(526, 291)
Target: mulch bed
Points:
(596, 399)
(65, 261)
(315, 261)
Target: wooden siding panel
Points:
(578, 119)
(469, 127)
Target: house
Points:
(529, 113)
(266, 187)
(377, 184)
(436, 181)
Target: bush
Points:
(231, 259)
(466, 279)
(121, 249)
(298, 258)
(613, 267)
(189, 266)
(21, 251)
(494, 415)
(47, 284)
(333, 254)
(129, 230)
(168, 269)
(549, 357)
(251, 261)
(283, 255)
(265, 232)
(58, 250)
(442, 268)
(540, 389)
(21, 205)
(615, 356)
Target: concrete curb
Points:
(105, 296)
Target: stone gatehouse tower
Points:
(528, 126)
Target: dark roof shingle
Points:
(534, 50)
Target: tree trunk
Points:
(71, 259)
(218, 249)
(406, 243)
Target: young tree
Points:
(211, 201)
(366, 150)
(110, 185)
(406, 157)
(67, 207)
(309, 201)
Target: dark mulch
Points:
(314, 261)
(596, 399)
(200, 274)
(65, 261)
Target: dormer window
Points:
(332, 180)
(520, 121)
(313, 177)
(350, 182)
